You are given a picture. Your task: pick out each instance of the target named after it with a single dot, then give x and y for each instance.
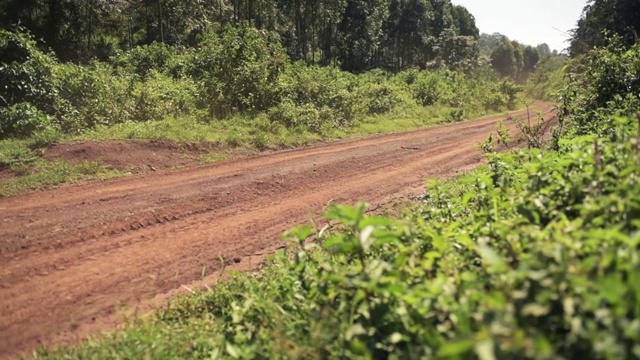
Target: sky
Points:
(530, 22)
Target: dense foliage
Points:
(533, 256)
(357, 34)
(606, 82)
(603, 18)
(140, 61)
(236, 70)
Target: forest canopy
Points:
(602, 19)
(356, 34)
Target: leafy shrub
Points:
(510, 90)
(292, 116)
(426, 89)
(321, 87)
(605, 82)
(502, 95)
(233, 70)
(547, 79)
(161, 96)
(495, 101)
(141, 60)
(327, 97)
(25, 72)
(239, 70)
(456, 115)
(233, 139)
(90, 96)
(94, 95)
(381, 98)
(22, 120)
(260, 141)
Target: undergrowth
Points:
(217, 86)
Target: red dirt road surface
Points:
(74, 260)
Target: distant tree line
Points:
(357, 35)
(509, 58)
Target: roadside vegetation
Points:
(534, 255)
(241, 75)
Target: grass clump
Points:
(46, 174)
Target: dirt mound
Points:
(134, 156)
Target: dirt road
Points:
(75, 259)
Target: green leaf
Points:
(485, 349)
(232, 350)
(455, 348)
(535, 309)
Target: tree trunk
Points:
(90, 29)
(160, 25)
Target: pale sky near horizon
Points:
(530, 22)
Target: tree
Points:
(531, 57)
(599, 17)
(355, 34)
(543, 50)
(361, 33)
(407, 41)
(503, 59)
(465, 22)
(488, 42)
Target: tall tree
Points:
(543, 50)
(361, 33)
(407, 40)
(355, 34)
(530, 57)
(599, 17)
(503, 58)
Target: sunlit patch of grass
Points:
(46, 174)
(15, 153)
(258, 132)
(215, 157)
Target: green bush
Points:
(22, 120)
(603, 83)
(547, 80)
(161, 96)
(25, 72)
(141, 60)
(305, 116)
(327, 97)
(510, 91)
(90, 96)
(238, 69)
(427, 89)
(233, 71)
(381, 98)
(456, 115)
